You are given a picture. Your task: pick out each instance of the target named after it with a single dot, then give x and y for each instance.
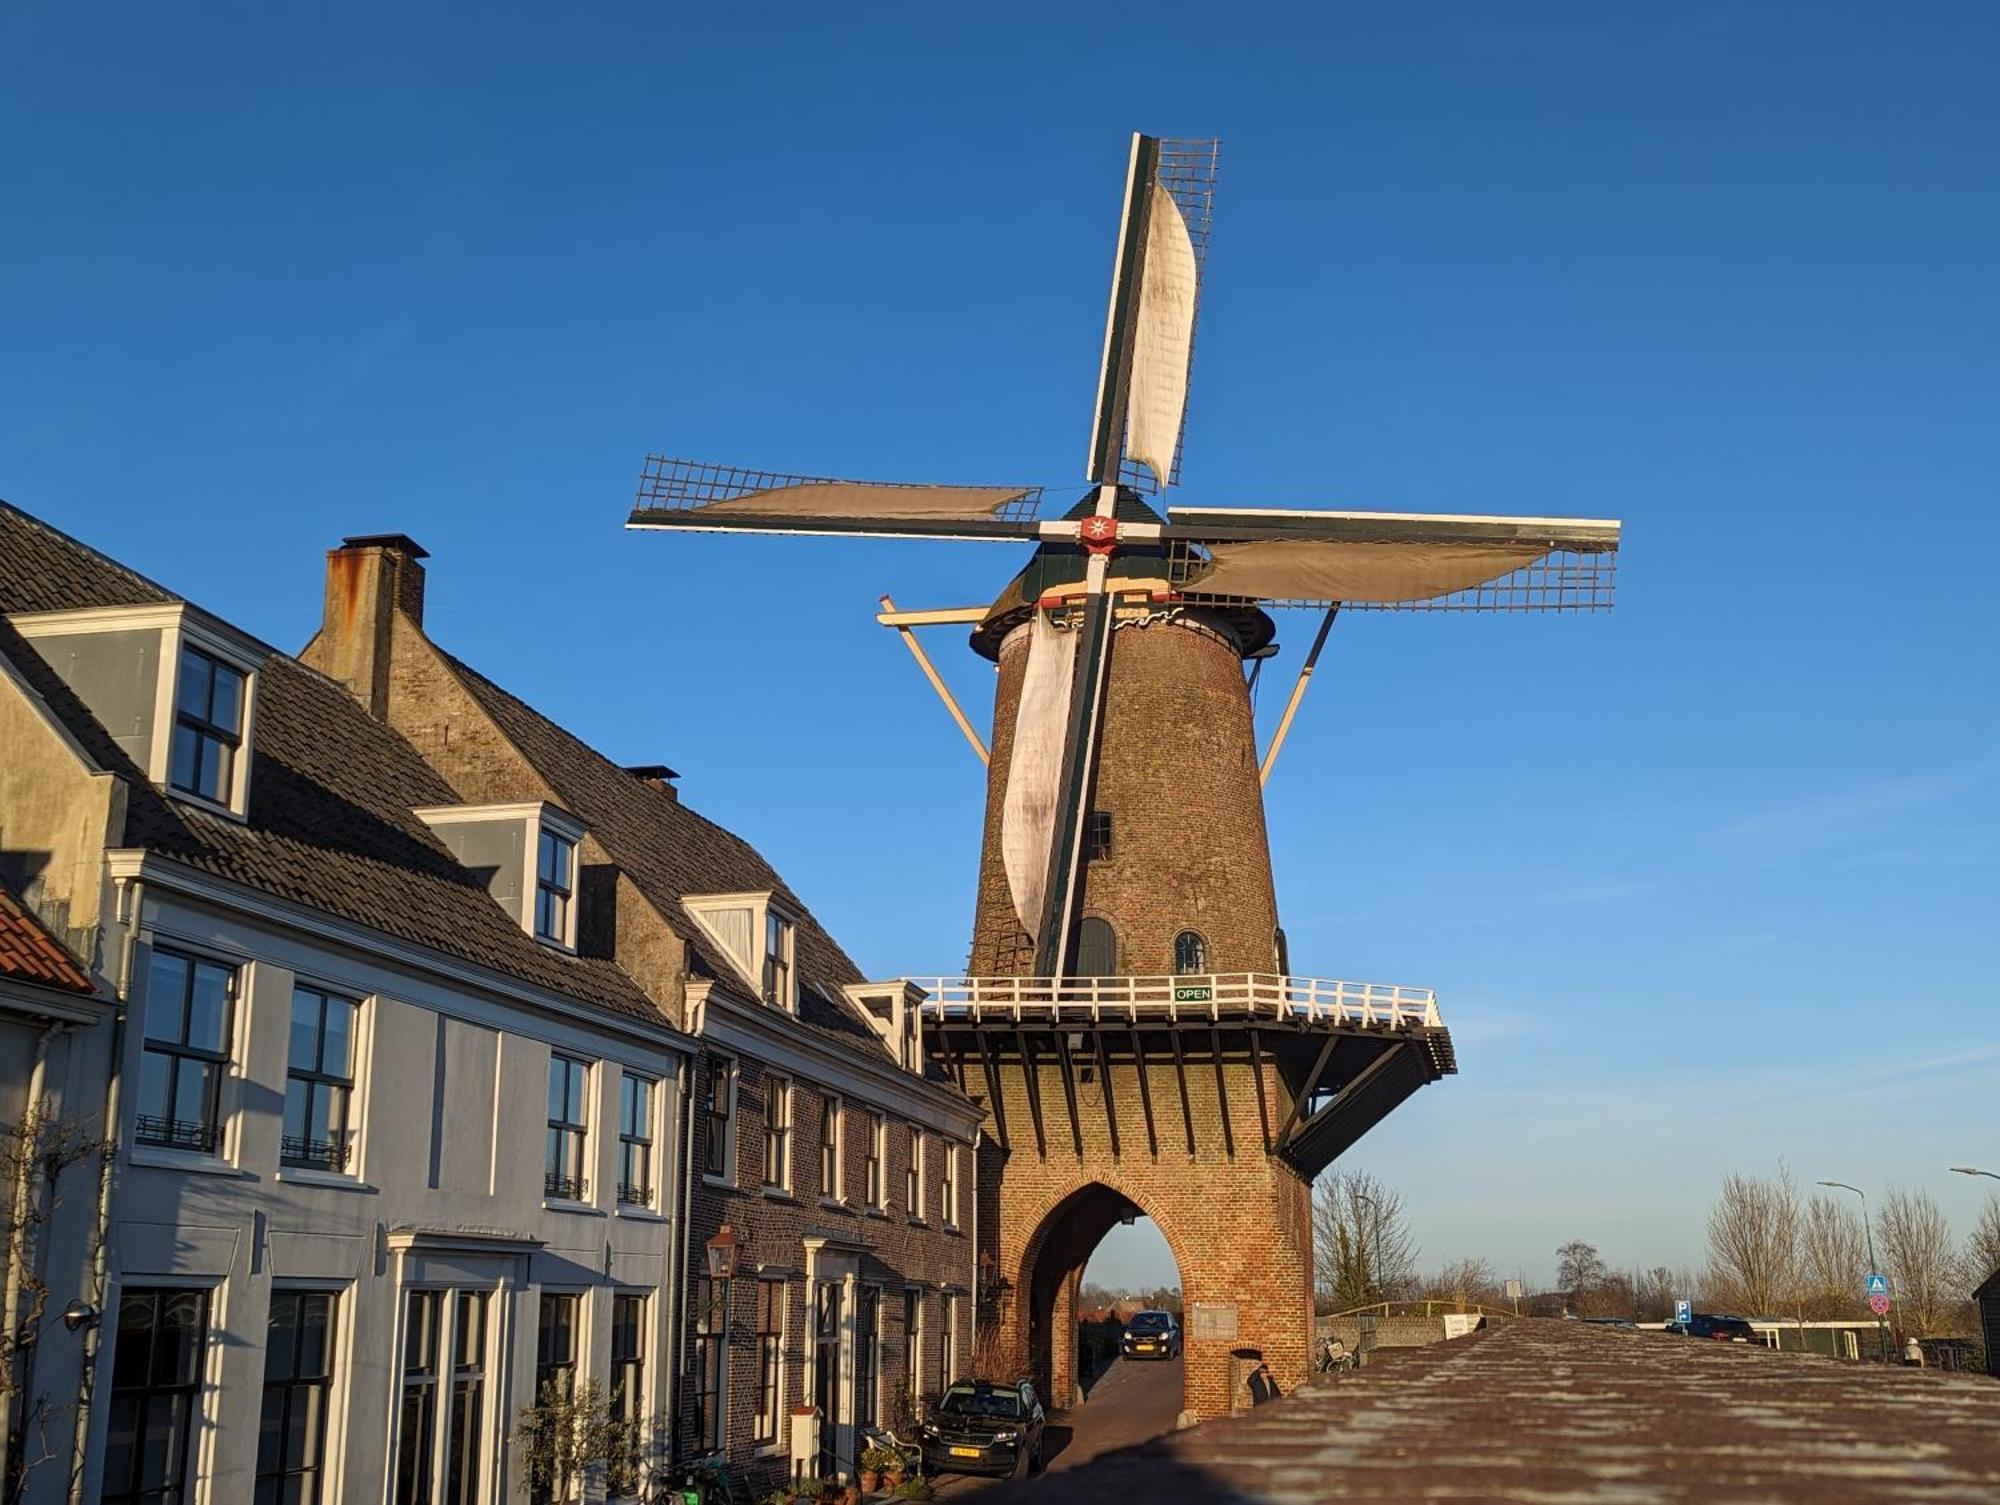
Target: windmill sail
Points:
(1162, 339)
(1034, 770)
(863, 499)
(1306, 569)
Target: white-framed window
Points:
(555, 888)
(779, 989)
(913, 1341)
(711, 1351)
(829, 1147)
(777, 1132)
(566, 1167)
(207, 743)
(630, 1326)
(948, 1186)
(449, 1352)
(874, 1172)
(319, 1081)
(948, 1339)
(913, 1188)
(299, 1372)
(157, 1374)
(771, 1306)
(867, 1355)
(718, 1121)
(190, 1022)
(636, 1097)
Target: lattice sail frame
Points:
(675, 485)
(1561, 580)
(1187, 170)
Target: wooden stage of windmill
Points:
(1130, 1019)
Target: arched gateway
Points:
(1205, 1099)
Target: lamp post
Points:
(1868, 1227)
(1381, 1286)
(1966, 1170)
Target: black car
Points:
(980, 1427)
(1716, 1329)
(1151, 1335)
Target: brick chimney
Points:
(368, 580)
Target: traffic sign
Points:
(1879, 1305)
(1878, 1285)
(1683, 1311)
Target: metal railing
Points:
(1209, 996)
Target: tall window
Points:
(948, 1187)
(1097, 836)
(777, 959)
(948, 1343)
(770, 1358)
(635, 1140)
(319, 1081)
(298, 1378)
(155, 1396)
(718, 1119)
(711, 1352)
(555, 1345)
(416, 1429)
(829, 1147)
(914, 1176)
(208, 727)
(555, 860)
(878, 1142)
(867, 1355)
(186, 1056)
(913, 1342)
(569, 1130)
(462, 1459)
(777, 1131)
(628, 1385)
(1190, 953)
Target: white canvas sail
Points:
(1034, 769)
(1162, 339)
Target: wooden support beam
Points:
(945, 616)
(1364, 1076)
(1257, 1074)
(1180, 1076)
(1030, 1075)
(1298, 694)
(993, 1086)
(1222, 1094)
(1069, 1091)
(954, 1064)
(1104, 1083)
(1145, 1094)
(1306, 1089)
(937, 682)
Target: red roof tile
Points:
(30, 954)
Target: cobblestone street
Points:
(1545, 1410)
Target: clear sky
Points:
(1705, 884)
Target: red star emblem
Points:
(1099, 533)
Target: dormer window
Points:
(208, 727)
(525, 854)
(555, 861)
(777, 959)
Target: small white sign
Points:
(1214, 1321)
(1458, 1324)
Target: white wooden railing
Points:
(1213, 996)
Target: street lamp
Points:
(1966, 1170)
(1380, 1285)
(1868, 1227)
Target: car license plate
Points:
(1144, 1347)
(965, 1452)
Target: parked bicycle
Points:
(706, 1480)
(1333, 1356)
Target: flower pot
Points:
(870, 1481)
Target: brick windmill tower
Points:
(1130, 1019)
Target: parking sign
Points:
(1683, 1311)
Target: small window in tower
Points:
(1190, 953)
(1097, 836)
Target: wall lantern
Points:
(722, 1255)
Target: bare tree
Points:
(1579, 1268)
(1467, 1282)
(1833, 1256)
(1363, 1250)
(1982, 1245)
(1753, 1241)
(1916, 1244)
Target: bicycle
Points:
(705, 1480)
(1333, 1357)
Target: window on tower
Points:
(1097, 836)
(1190, 953)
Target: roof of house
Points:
(29, 953)
(332, 790)
(670, 852)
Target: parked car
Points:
(1716, 1328)
(980, 1427)
(1151, 1335)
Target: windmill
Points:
(1114, 557)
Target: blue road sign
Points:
(1878, 1285)
(1683, 1311)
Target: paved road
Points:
(1132, 1403)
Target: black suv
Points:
(1715, 1328)
(984, 1428)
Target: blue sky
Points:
(1704, 884)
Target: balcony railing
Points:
(178, 1133)
(1205, 997)
(565, 1188)
(314, 1154)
